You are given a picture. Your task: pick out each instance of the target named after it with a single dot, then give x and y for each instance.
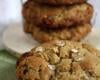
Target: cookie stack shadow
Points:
(48, 20)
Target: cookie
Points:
(54, 17)
(60, 2)
(28, 27)
(60, 60)
(75, 33)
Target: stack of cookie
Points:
(48, 20)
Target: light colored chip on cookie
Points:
(74, 50)
(52, 67)
(77, 56)
(60, 43)
(39, 49)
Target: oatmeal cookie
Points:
(75, 33)
(59, 60)
(54, 17)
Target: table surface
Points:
(7, 66)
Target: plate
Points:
(17, 41)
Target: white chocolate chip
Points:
(39, 49)
(60, 43)
(52, 67)
(74, 50)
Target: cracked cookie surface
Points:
(60, 60)
(54, 17)
(75, 33)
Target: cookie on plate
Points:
(54, 17)
(59, 60)
(75, 33)
(60, 2)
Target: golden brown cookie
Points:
(60, 60)
(60, 2)
(54, 17)
(75, 33)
